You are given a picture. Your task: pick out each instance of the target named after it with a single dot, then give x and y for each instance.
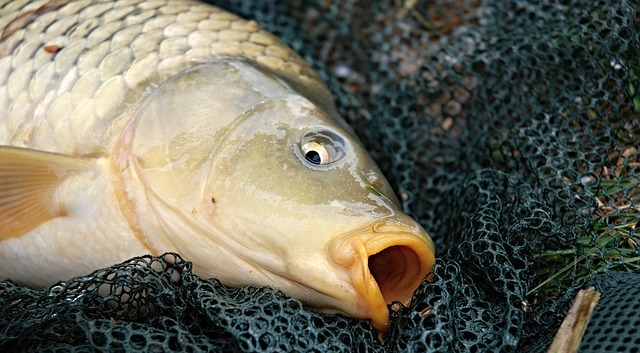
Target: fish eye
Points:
(322, 147)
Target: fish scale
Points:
(68, 101)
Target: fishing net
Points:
(614, 326)
(509, 129)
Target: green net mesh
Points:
(614, 327)
(509, 130)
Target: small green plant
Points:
(607, 248)
(611, 243)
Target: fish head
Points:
(258, 184)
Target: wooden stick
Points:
(573, 326)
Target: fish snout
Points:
(386, 262)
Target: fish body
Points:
(136, 127)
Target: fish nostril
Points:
(397, 270)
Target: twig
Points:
(573, 326)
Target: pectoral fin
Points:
(28, 180)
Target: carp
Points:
(137, 127)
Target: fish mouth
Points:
(386, 262)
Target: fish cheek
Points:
(259, 172)
(262, 184)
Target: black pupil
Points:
(313, 157)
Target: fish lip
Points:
(398, 239)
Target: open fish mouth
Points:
(386, 262)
